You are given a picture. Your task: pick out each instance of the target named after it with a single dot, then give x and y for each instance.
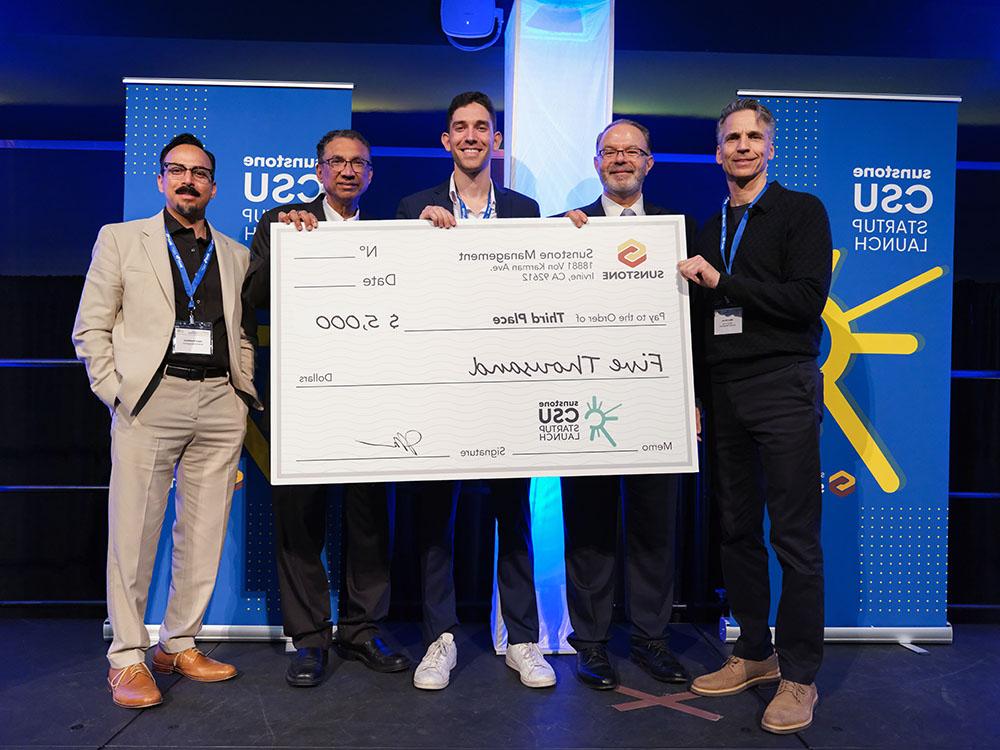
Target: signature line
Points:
(572, 453)
(366, 458)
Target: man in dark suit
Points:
(469, 193)
(344, 168)
(648, 502)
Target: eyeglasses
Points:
(631, 152)
(177, 171)
(338, 163)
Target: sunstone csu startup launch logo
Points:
(560, 420)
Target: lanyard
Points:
(464, 210)
(740, 228)
(190, 285)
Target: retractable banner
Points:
(884, 166)
(263, 135)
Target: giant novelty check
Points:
(504, 348)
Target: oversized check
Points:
(504, 348)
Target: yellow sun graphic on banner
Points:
(845, 344)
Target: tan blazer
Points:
(127, 310)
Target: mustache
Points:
(188, 190)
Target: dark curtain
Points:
(974, 522)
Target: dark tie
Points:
(628, 212)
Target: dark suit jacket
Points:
(597, 209)
(510, 203)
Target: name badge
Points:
(728, 320)
(192, 338)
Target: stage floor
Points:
(53, 694)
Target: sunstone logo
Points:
(632, 253)
(631, 275)
(843, 484)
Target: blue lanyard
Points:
(464, 210)
(740, 228)
(190, 285)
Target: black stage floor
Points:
(52, 694)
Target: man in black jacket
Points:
(763, 267)
(648, 502)
(469, 193)
(344, 168)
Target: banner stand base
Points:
(729, 631)
(223, 633)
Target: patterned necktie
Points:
(628, 212)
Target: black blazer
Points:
(510, 203)
(597, 209)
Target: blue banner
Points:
(885, 169)
(264, 139)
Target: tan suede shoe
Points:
(736, 676)
(193, 664)
(133, 687)
(791, 709)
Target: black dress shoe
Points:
(374, 654)
(307, 667)
(658, 661)
(594, 668)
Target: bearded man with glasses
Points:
(159, 332)
(647, 503)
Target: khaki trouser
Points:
(197, 426)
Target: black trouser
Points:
(509, 505)
(590, 518)
(435, 533)
(300, 534)
(767, 430)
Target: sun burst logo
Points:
(845, 344)
(598, 417)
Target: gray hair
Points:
(641, 128)
(764, 115)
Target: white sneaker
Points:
(526, 659)
(434, 669)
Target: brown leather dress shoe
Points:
(133, 687)
(193, 664)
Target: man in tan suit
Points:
(159, 332)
